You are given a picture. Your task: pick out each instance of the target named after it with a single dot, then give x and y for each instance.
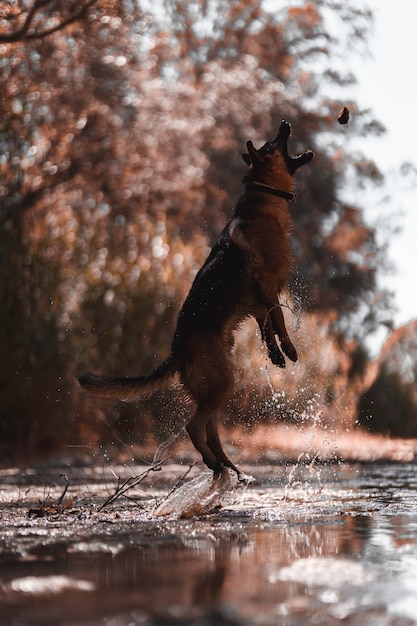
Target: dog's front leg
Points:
(278, 324)
(268, 337)
(267, 293)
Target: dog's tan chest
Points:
(266, 242)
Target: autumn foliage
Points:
(121, 128)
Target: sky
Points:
(387, 83)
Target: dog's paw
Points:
(288, 349)
(276, 357)
(245, 479)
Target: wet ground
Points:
(320, 544)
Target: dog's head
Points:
(272, 161)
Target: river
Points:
(305, 544)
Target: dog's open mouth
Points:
(283, 133)
(281, 143)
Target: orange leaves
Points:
(306, 17)
(350, 235)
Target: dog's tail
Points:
(128, 389)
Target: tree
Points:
(40, 18)
(49, 118)
(251, 67)
(120, 133)
(388, 404)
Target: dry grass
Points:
(282, 442)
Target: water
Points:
(304, 545)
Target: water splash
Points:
(196, 497)
(320, 447)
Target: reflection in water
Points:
(340, 548)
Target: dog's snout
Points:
(283, 132)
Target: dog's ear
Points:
(254, 156)
(246, 158)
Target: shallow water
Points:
(304, 545)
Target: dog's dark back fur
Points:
(245, 272)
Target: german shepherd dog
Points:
(243, 276)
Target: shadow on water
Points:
(332, 545)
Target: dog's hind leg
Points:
(197, 429)
(207, 375)
(213, 442)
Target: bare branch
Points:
(129, 483)
(61, 497)
(20, 35)
(64, 23)
(27, 32)
(179, 482)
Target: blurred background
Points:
(121, 130)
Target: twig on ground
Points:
(56, 508)
(121, 489)
(61, 497)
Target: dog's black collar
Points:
(271, 190)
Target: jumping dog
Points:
(243, 276)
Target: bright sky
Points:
(388, 85)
